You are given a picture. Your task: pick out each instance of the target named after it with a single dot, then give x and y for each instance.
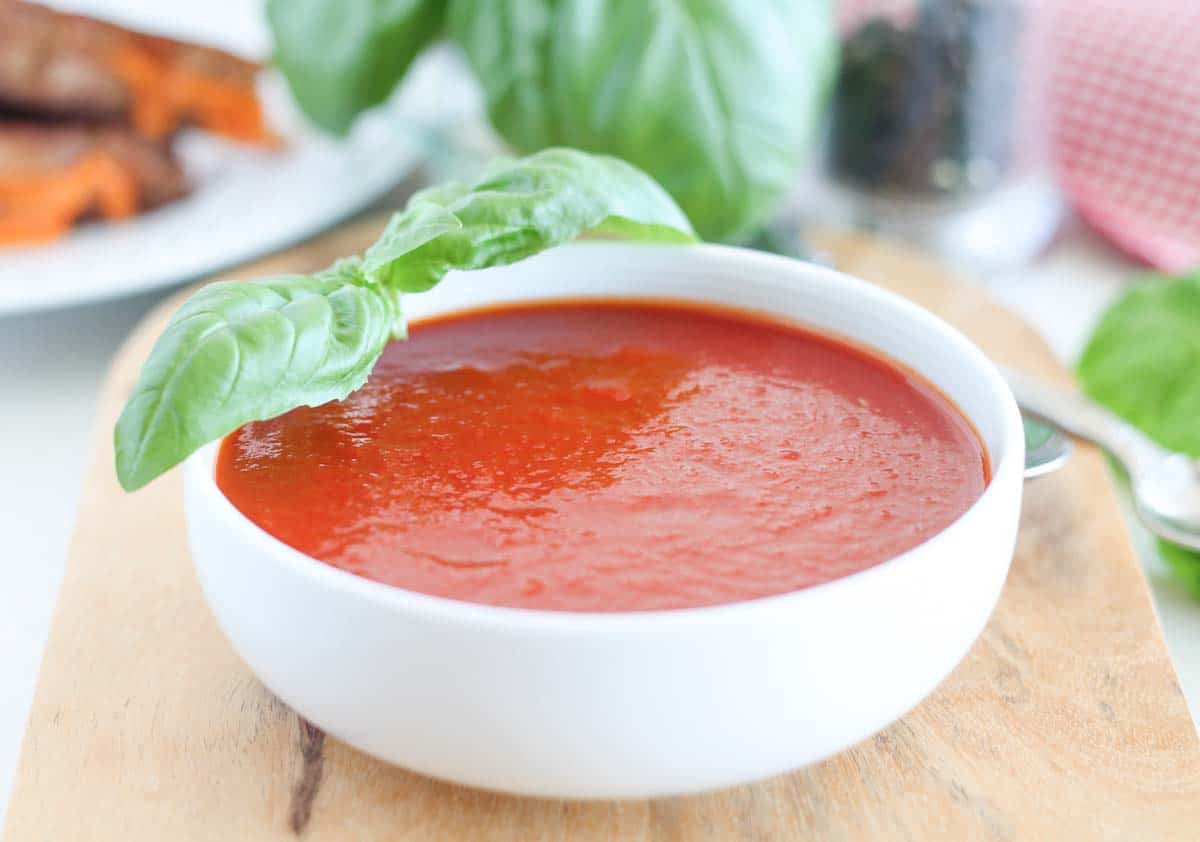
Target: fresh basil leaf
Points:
(716, 99)
(1143, 362)
(341, 57)
(240, 352)
(517, 209)
(1184, 563)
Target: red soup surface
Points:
(611, 457)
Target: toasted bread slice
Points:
(68, 66)
(52, 175)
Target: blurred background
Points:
(1047, 149)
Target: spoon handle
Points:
(1082, 417)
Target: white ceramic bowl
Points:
(632, 704)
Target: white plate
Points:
(244, 202)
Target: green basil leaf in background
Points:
(516, 209)
(1143, 362)
(341, 57)
(240, 352)
(1184, 563)
(718, 100)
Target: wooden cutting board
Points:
(1064, 722)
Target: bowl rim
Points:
(200, 479)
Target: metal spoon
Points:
(1046, 448)
(1165, 484)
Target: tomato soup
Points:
(611, 457)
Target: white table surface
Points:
(51, 366)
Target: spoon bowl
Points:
(1166, 492)
(1046, 448)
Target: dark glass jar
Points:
(936, 129)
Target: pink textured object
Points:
(1125, 116)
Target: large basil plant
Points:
(716, 99)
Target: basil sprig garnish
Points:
(237, 352)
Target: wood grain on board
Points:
(1064, 722)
